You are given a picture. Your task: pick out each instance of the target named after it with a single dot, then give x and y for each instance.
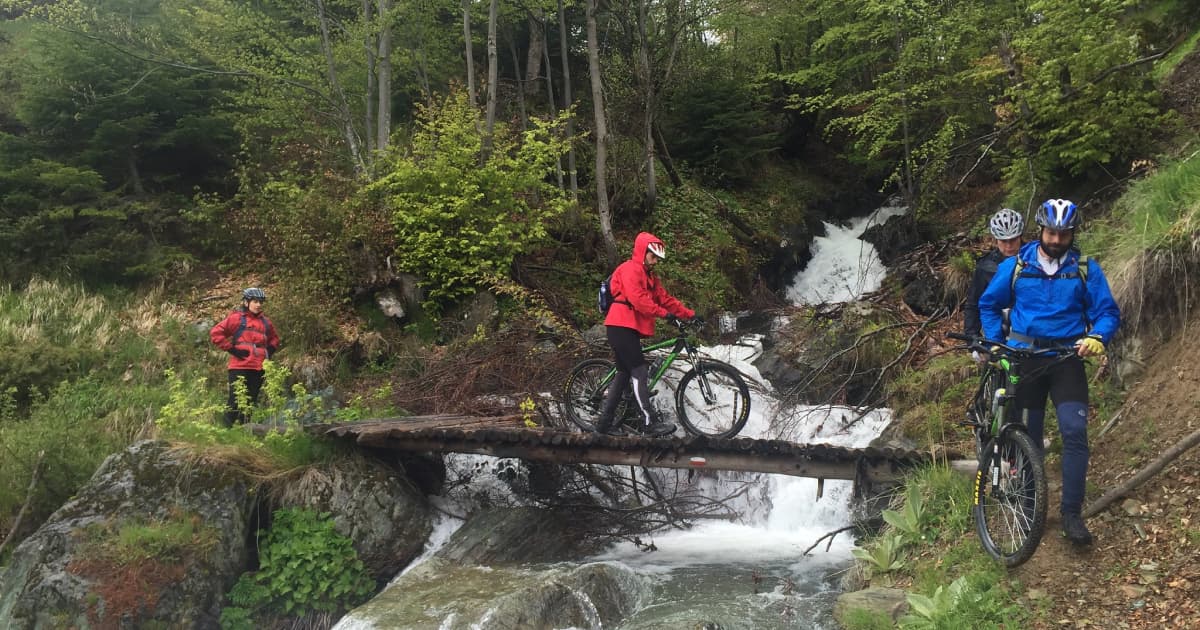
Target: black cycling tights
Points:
(631, 368)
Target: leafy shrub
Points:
(883, 556)
(461, 211)
(304, 565)
(909, 520)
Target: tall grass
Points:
(1150, 247)
(81, 376)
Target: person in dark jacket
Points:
(638, 298)
(249, 338)
(1006, 227)
(1055, 303)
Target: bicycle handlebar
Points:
(987, 346)
(695, 322)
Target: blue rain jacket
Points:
(1055, 309)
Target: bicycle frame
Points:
(679, 345)
(1007, 370)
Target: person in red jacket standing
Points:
(638, 298)
(249, 338)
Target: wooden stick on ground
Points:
(1144, 474)
(33, 481)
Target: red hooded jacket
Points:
(259, 338)
(638, 296)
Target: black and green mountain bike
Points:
(711, 397)
(1010, 485)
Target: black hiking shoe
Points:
(614, 431)
(659, 429)
(1075, 530)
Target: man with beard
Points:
(1054, 302)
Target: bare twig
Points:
(33, 482)
(830, 535)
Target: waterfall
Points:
(751, 573)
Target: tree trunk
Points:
(493, 75)
(348, 130)
(558, 167)
(135, 176)
(606, 229)
(369, 49)
(466, 9)
(537, 46)
(1152, 469)
(648, 104)
(384, 112)
(567, 99)
(516, 59)
(665, 156)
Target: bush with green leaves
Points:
(304, 565)
(883, 556)
(462, 210)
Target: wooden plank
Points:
(704, 459)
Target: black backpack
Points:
(605, 298)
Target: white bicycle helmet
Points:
(657, 248)
(1006, 224)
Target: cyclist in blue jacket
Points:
(1054, 303)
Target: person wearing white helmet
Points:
(638, 299)
(249, 338)
(1006, 227)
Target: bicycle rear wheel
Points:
(712, 399)
(1010, 498)
(584, 390)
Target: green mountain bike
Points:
(711, 397)
(1010, 484)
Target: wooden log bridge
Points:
(507, 436)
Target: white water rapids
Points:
(750, 573)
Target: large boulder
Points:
(897, 236)
(876, 601)
(386, 517)
(515, 535)
(442, 594)
(56, 579)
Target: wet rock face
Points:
(51, 584)
(442, 594)
(896, 236)
(512, 536)
(386, 516)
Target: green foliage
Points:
(863, 619)
(720, 127)
(191, 416)
(705, 264)
(959, 585)
(175, 539)
(1081, 112)
(883, 556)
(910, 520)
(461, 213)
(932, 398)
(970, 601)
(304, 565)
(1158, 213)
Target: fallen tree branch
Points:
(830, 536)
(33, 482)
(1144, 474)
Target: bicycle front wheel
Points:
(713, 400)
(584, 391)
(1010, 498)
